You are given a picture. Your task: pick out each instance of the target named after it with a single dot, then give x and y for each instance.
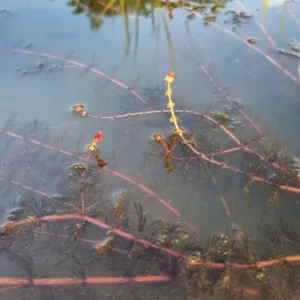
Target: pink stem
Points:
(295, 18)
(261, 26)
(224, 202)
(227, 97)
(238, 290)
(82, 203)
(201, 155)
(97, 223)
(224, 166)
(212, 154)
(87, 158)
(28, 188)
(142, 113)
(256, 49)
(66, 236)
(78, 64)
(222, 127)
(8, 288)
(115, 173)
(126, 235)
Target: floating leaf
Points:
(158, 138)
(78, 10)
(208, 19)
(199, 8)
(222, 118)
(230, 12)
(78, 167)
(251, 40)
(78, 108)
(216, 8)
(292, 53)
(191, 16)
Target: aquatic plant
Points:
(63, 215)
(229, 262)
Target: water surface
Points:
(112, 58)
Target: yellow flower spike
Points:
(179, 131)
(169, 93)
(167, 79)
(97, 138)
(92, 146)
(170, 77)
(170, 104)
(173, 119)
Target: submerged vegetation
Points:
(139, 246)
(74, 227)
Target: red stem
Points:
(18, 281)
(238, 290)
(126, 235)
(88, 280)
(97, 280)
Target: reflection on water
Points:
(149, 149)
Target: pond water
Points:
(71, 215)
